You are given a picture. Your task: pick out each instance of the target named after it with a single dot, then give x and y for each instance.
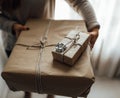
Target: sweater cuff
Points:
(92, 25)
(10, 26)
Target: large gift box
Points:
(31, 66)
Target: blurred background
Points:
(105, 55)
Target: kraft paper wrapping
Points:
(34, 70)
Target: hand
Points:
(94, 35)
(18, 28)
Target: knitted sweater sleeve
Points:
(5, 23)
(84, 7)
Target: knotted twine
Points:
(40, 46)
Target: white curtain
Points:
(106, 53)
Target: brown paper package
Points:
(33, 69)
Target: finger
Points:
(91, 46)
(93, 40)
(24, 28)
(17, 34)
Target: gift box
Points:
(31, 67)
(71, 47)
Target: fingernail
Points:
(27, 28)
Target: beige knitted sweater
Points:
(43, 9)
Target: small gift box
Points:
(71, 47)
